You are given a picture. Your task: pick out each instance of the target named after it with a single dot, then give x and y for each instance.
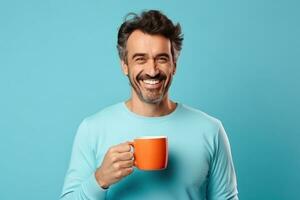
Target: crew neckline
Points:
(159, 118)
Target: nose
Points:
(151, 68)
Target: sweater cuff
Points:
(93, 190)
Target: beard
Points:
(150, 95)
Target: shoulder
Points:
(104, 113)
(91, 125)
(201, 119)
(99, 119)
(211, 127)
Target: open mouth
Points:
(151, 83)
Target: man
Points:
(200, 164)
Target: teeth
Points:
(151, 81)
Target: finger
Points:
(123, 172)
(122, 165)
(125, 156)
(126, 164)
(117, 157)
(127, 171)
(120, 148)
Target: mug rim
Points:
(151, 137)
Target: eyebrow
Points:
(137, 55)
(143, 54)
(163, 54)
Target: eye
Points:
(140, 60)
(162, 59)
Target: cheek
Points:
(170, 76)
(168, 68)
(133, 76)
(170, 73)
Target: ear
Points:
(174, 69)
(124, 67)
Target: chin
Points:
(152, 100)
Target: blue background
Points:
(59, 64)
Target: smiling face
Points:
(149, 67)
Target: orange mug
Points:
(150, 152)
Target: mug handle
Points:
(131, 143)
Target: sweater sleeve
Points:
(80, 182)
(222, 183)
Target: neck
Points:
(166, 106)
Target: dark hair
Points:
(152, 22)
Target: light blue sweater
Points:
(200, 163)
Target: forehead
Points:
(139, 42)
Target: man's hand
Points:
(117, 164)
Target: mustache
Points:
(160, 76)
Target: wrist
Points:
(101, 183)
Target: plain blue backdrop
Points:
(59, 64)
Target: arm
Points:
(222, 179)
(80, 182)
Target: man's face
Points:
(150, 67)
